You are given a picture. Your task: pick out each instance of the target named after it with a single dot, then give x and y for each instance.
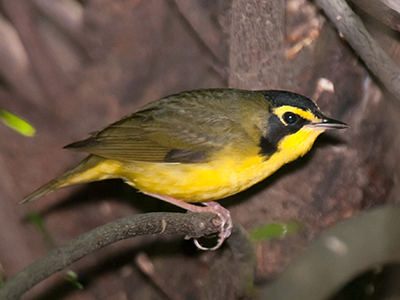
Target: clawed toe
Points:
(213, 207)
(226, 224)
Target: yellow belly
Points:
(200, 182)
(227, 173)
(195, 182)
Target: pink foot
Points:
(213, 207)
(226, 223)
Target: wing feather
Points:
(186, 127)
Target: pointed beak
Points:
(327, 123)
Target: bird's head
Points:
(294, 122)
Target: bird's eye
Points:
(290, 118)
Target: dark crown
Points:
(281, 98)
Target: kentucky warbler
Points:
(200, 146)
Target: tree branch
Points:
(189, 224)
(352, 28)
(380, 11)
(256, 58)
(342, 253)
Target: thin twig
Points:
(189, 224)
(381, 11)
(352, 28)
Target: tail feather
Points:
(77, 175)
(45, 189)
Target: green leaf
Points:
(17, 123)
(37, 220)
(72, 277)
(2, 276)
(274, 230)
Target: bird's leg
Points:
(212, 207)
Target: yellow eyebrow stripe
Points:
(308, 115)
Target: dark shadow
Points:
(119, 259)
(380, 283)
(112, 190)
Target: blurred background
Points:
(71, 67)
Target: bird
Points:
(199, 146)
